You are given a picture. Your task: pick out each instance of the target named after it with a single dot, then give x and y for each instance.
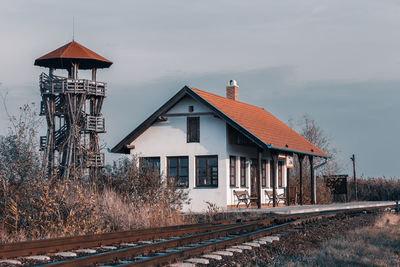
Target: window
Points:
(150, 164)
(177, 168)
(232, 168)
(280, 173)
(264, 173)
(191, 108)
(243, 172)
(207, 171)
(193, 129)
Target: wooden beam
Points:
(273, 176)
(288, 186)
(259, 175)
(313, 185)
(301, 157)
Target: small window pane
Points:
(207, 171)
(178, 169)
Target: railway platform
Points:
(300, 209)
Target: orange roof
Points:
(261, 124)
(73, 52)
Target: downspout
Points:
(315, 178)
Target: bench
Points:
(279, 197)
(243, 196)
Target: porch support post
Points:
(259, 175)
(288, 186)
(313, 185)
(273, 176)
(301, 157)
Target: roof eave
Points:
(300, 152)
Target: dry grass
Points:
(377, 245)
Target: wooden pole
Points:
(301, 157)
(259, 175)
(313, 185)
(353, 158)
(273, 176)
(288, 186)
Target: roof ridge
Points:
(233, 101)
(280, 123)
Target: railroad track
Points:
(157, 246)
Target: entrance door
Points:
(253, 177)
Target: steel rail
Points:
(79, 242)
(222, 244)
(245, 232)
(178, 242)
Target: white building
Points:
(214, 145)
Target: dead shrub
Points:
(376, 189)
(32, 207)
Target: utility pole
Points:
(353, 158)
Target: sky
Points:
(336, 60)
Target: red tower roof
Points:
(73, 52)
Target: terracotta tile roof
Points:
(261, 124)
(73, 51)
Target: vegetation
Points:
(32, 206)
(376, 245)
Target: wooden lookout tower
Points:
(72, 107)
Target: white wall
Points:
(168, 138)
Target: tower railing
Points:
(95, 123)
(95, 160)
(58, 84)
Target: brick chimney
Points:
(232, 90)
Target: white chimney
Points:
(232, 90)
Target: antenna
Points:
(73, 28)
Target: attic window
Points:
(193, 129)
(191, 108)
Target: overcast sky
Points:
(336, 60)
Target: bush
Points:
(376, 189)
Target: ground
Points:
(367, 239)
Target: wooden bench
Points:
(243, 196)
(279, 197)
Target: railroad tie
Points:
(212, 257)
(15, 262)
(198, 260)
(243, 247)
(224, 253)
(128, 244)
(182, 264)
(235, 250)
(270, 239)
(38, 258)
(109, 247)
(86, 251)
(252, 244)
(66, 254)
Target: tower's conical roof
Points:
(73, 52)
